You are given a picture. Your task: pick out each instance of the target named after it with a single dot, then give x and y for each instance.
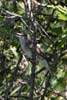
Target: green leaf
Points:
(13, 49)
(61, 9)
(15, 90)
(57, 30)
(0, 3)
(62, 16)
(58, 8)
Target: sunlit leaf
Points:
(13, 49)
(62, 16)
(15, 90)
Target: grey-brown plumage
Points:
(26, 43)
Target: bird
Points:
(26, 45)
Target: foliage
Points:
(21, 78)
